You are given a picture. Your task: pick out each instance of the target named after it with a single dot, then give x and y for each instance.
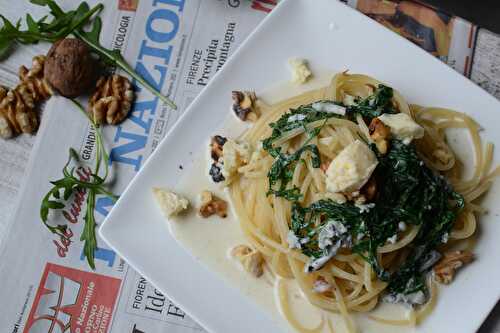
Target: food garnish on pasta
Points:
(356, 195)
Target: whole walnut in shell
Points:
(70, 67)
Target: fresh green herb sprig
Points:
(66, 23)
(71, 183)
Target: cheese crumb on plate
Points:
(300, 70)
(170, 203)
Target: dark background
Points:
(485, 13)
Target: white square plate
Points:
(330, 35)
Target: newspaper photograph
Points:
(449, 38)
(177, 46)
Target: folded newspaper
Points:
(177, 45)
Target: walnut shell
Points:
(70, 67)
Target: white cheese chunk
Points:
(445, 238)
(300, 70)
(293, 240)
(364, 208)
(402, 126)
(402, 226)
(351, 169)
(170, 203)
(330, 230)
(393, 239)
(296, 117)
(417, 297)
(234, 155)
(329, 107)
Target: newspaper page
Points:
(486, 69)
(177, 45)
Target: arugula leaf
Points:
(55, 204)
(88, 235)
(32, 25)
(71, 183)
(95, 32)
(6, 40)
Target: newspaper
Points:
(177, 45)
(486, 69)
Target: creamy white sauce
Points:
(210, 240)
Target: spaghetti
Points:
(284, 207)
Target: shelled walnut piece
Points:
(251, 260)
(369, 190)
(17, 106)
(444, 271)
(34, 87)
(211, 204)
(112, 100)
(244, 105)
(380, 134)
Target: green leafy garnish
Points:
(286, 124)
(64, 24)
(304, 222)
(409, 192)
(413, 193)
(71, 183)
(281, 171)
(374, 105)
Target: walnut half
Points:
(444, 270)
(252, 260)
(112, 100)
(211, 204)
(17, 106)
(216, 147)
(34, 87)
(16, 116)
